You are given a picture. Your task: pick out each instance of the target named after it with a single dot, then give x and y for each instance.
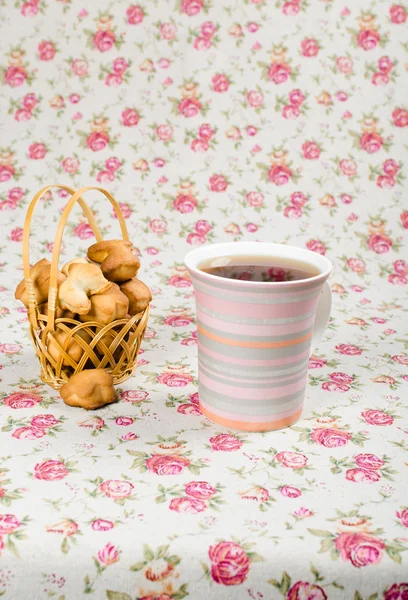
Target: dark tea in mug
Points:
(258, 268)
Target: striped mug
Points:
(255, 337)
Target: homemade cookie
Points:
(89, 389)
(118, 262)
(82, 282)
(137, 293)
(40, 276)
(74, 350)
(107, 307)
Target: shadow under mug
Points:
(255, 337)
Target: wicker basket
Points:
(113, 347)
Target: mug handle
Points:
(322, 315)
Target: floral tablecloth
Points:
(210, 121)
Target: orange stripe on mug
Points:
(252, 425)
(243, 344)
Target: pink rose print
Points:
(6, 173)
(44, 421)
(379, 243)
(124, 421)
(189, 409)
(70, 165)
(309, 47)
(279, 174)
(225, 442)
(368, 39)
(178, 321)
(164, 132)
(398, 15)
(102, 525)
(97, 140)
(15, 76)
(46, 51)
(369, 461)
(185, 204)
(362, 476)
(29, 9)
(291, 9)
(348, 167)
(397, 592)
(220, 83)
(290, 112)
(306, 591)
(310, 150)
(218, 183)
(37, 151)
(8, 524)
(330, 438)
(134, 15)
(168, 31)
(316, 363)
(402, 515)
(83, 231)
(15, 194)
(377, 417)
(341, 377)
(190, 506)
(114, 488)
(158, 226)
(345, 65)
(203, 227)
(316, 246)
(303, 513)
(28, 433)
(290, 492)
(229, 563)
(361, 549)
(371, 142)
(200, 490)
(191, 7)
(175, 379)
(129, 436)
(293, 460)
(334, 386)
(21, 400)
(349, 350)
(189, 107)
(104, 40)
(400, 117)
(79, 67)
(108, 555)
(206, 132)
(255, 99)
(256, 494)
(255, 199)
(50, 470)
(167, 464)
(130, 117)
(356, 264)
(279, 72)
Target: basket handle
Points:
(76, 197)
(32, 304)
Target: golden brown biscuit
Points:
(74, 349)
(66, 267)
(107, 307)
(89, 389)
(117, 260)
(59, 313)
(40, 276)
(138, 294)
(82, 282)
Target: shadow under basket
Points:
(86, 345)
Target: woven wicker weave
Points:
(113, 347)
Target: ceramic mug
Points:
(255, 338)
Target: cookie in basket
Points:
(118, 262)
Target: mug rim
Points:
(194, 257)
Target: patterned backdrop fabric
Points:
(217, 120)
